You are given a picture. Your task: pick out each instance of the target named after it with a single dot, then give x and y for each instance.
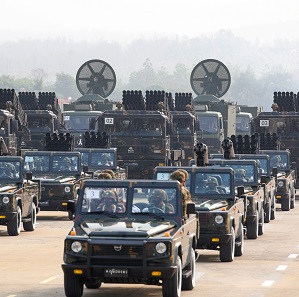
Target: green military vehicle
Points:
(60, 176)
(130, 231)
(19, 201)
(221, 212)
(266, 179)
(246, 175)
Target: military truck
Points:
(246, 175)
(19, 202)
(130, 232)
(60, 175)
(95, 80)
(221, 212)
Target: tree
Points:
(66, 86)
(38, 75)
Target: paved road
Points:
(30, 264)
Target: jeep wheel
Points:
(267, 213)
(188, 283)
(261, 222)
(73, 286)
(293, 203)
(286, 204)
(239, 245)
(30, 225)
(171, 287)
(273, 210)
(92, 284)
(70, 215)
(253, 228)
(227, 250)
(14, 225)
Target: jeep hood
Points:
(210, 205)
(126, 228)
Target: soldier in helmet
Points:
(276, 161)
(109, 171)
(181, 177)
(240, 175)
(67, 164)
(158, 202)
(104, 175)
(212, 184)
(38, 165)
(109, 202)
(8, 171)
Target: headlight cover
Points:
(5, 200)
(76, 246)
(218, 219)
(161, 248)
(67, 189)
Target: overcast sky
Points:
(125, 20)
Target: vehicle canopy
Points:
(279, 159)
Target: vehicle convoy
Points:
(95, 80)
(130, 232)
(266, 178)
(246, 175)
(59, 174)
(19, 202)
(221, 212)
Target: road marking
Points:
(267, 283)
(293, 256)
(199, 274)
(49, 279)
(282, 267)
(11, 295)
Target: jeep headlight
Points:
(67, 189)
(161, 248)
(76, 246)
(280, 183)
(5, 199)
(219, 219)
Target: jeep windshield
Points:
(166, 176)
(104, 200)
(244, 173)
(10, 171)
(77, 122)
(154, 200)
(279, 160)
(65, 164)
(37, 164)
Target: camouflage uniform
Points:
(104, 175)
(212, 184)
(180, 176)
(158, 199)
(109, 171)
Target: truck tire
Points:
(253, 228)
(261, 222)
(286, 204)
(14, 225)
(171, 287)
(188, 283)
(73, 286)
(267, 211)
(239, 245)
(30, 225)
(227, 250)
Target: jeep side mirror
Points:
(274, 171)
(263, 179)
(29, 176)
(190, 209)
(240, 191)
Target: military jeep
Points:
(19, 197)
(59, 174)
(221, 212)
(130, 231)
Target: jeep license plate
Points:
(115, 272)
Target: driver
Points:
(158, 202)
(9, 170)
(38, 165)
(66, 164)
(240, 175)
(212, 184)
(276, 161)
(109, 202)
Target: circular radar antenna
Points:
(96, 77)
(210, 77)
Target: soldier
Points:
(109, 202)
(158, 202)
(240, 175)
(9, 170)
(180, 176)
(38, 165)
(212, 184)
(67, 164)
(104, 175)
(119, 106)
(186, 176)
(105, 160)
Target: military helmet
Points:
(104, 175)
(109, 171)
(276, 158)
(178, 175)
(158, 193)
(185, 173)
(67, 160)
(38, 161)
(212, 180)
(9, 166)
(240, 172)
(109, 194)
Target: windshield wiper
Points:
(150, 214)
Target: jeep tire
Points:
(92, 283)
(14, 225)
(30, 225)
(286, 203)
(188, 283)
(239, 245)
(171, 287)
(253, 228)
(227, 250)
(73, 285)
